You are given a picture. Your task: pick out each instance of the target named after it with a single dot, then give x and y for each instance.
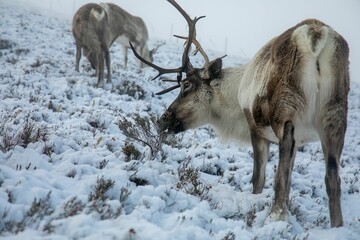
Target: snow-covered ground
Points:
(67, 170)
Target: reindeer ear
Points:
(215, 68)
(212, 70)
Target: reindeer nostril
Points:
(164, 121)
(170, 123)
(167, 116)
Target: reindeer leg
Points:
(108, 64)
(78, 55)
(125, 49)
(261, 156)
(287, 151)
(332, 141)
(333, 188)
(100, 82)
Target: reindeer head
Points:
(147, 54)
(90, 55)
(192, 107)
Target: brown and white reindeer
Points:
(292, 92)
(95, 28)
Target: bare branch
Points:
(159, 69)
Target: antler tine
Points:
(168, 90)
(157, 46)
(198, 48)
(169, 80)
(186, 65)
(159, 69)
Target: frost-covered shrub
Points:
(131, 152)
(190, 182)
(229, 236)
(131, 89)
(5, 44)
(98, 202)
(20, 133)
(144, 130)
(101, 187)
(38, 210)
(250, 216)
(72, 207)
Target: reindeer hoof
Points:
(100, 84)
(108, 86)
(278, 214)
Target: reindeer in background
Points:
(292, 92)
(96, 26)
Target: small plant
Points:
(130, 88)
(38, 210)
(72, 207)
(144, 130)
(54, 108)
(48, 149)
(229, 236)
(40, 62)
(101, 187)
(352, 182)
(124, 195)
(12, 59)
(13, 227)
(130, 152)
(102, 164)
(250, 216)
(138, 180)
(71, 173)
(27, 133)
(10, 195)
(321, 221)
(5, 44)
(103, 210)
(295, 210)
(19, 167)
(97, 123)
(31, 133)
(20, 51)
(190, 182)
(41, 208)
(98, 201)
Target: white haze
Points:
(234, 27)
(47, 185)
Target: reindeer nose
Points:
(165, 120)
(170, 123)
(168, 115)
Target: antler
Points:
(159, 69)
(198, 48)
(157, 46)
(186, 65)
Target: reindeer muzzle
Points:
(170, 124)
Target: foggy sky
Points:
(234, 27)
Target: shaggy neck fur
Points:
(226, 115)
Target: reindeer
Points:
(292, 92)
(95, 28)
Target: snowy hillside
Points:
(71, 169)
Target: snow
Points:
(46, 184)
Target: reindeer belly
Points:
(303, 119)
(303, 133)
(123, 40)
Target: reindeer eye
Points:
(187, 86)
